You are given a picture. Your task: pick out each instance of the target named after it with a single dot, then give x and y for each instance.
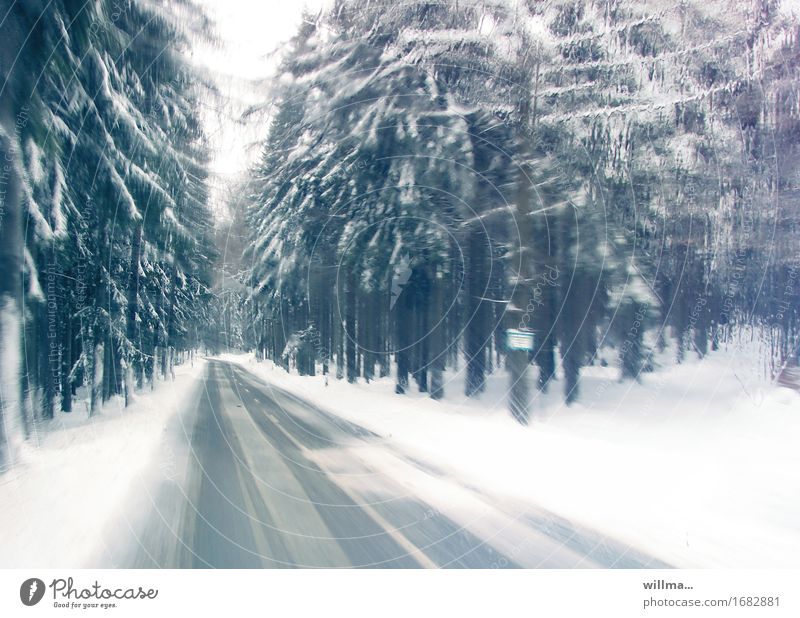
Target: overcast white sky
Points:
(251, 33)
(251, 30)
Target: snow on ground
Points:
(76, 474)
(698, 465)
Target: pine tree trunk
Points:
(133, 359)
(419, 300)
(154, 360)
(401, 323)
(437, 336)
(517, 361)
(385, 359)
(325, 331)
(16, 82)
(370, 335)
(95, 374)
(631, 351)
(477, 332)
(48, 355)
(66, 362)
(572, 341)
(544, 322)
(108, 369)
(350, 326)
(422, 342)
(11, 428)
(338, 334)
(166, 358)
(572, 371)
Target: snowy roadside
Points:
(698, 465)
(77, 472)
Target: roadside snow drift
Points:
(76, 473)
(697, 465)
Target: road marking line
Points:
(413, 551)
(263, 546)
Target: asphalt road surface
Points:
(255, 477)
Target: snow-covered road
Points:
(263, 478)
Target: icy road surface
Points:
(258, 477)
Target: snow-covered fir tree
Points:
(599, 172)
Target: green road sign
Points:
(519, 339)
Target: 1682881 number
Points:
(758, 601)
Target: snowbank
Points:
(76, 474)
(698, 465)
